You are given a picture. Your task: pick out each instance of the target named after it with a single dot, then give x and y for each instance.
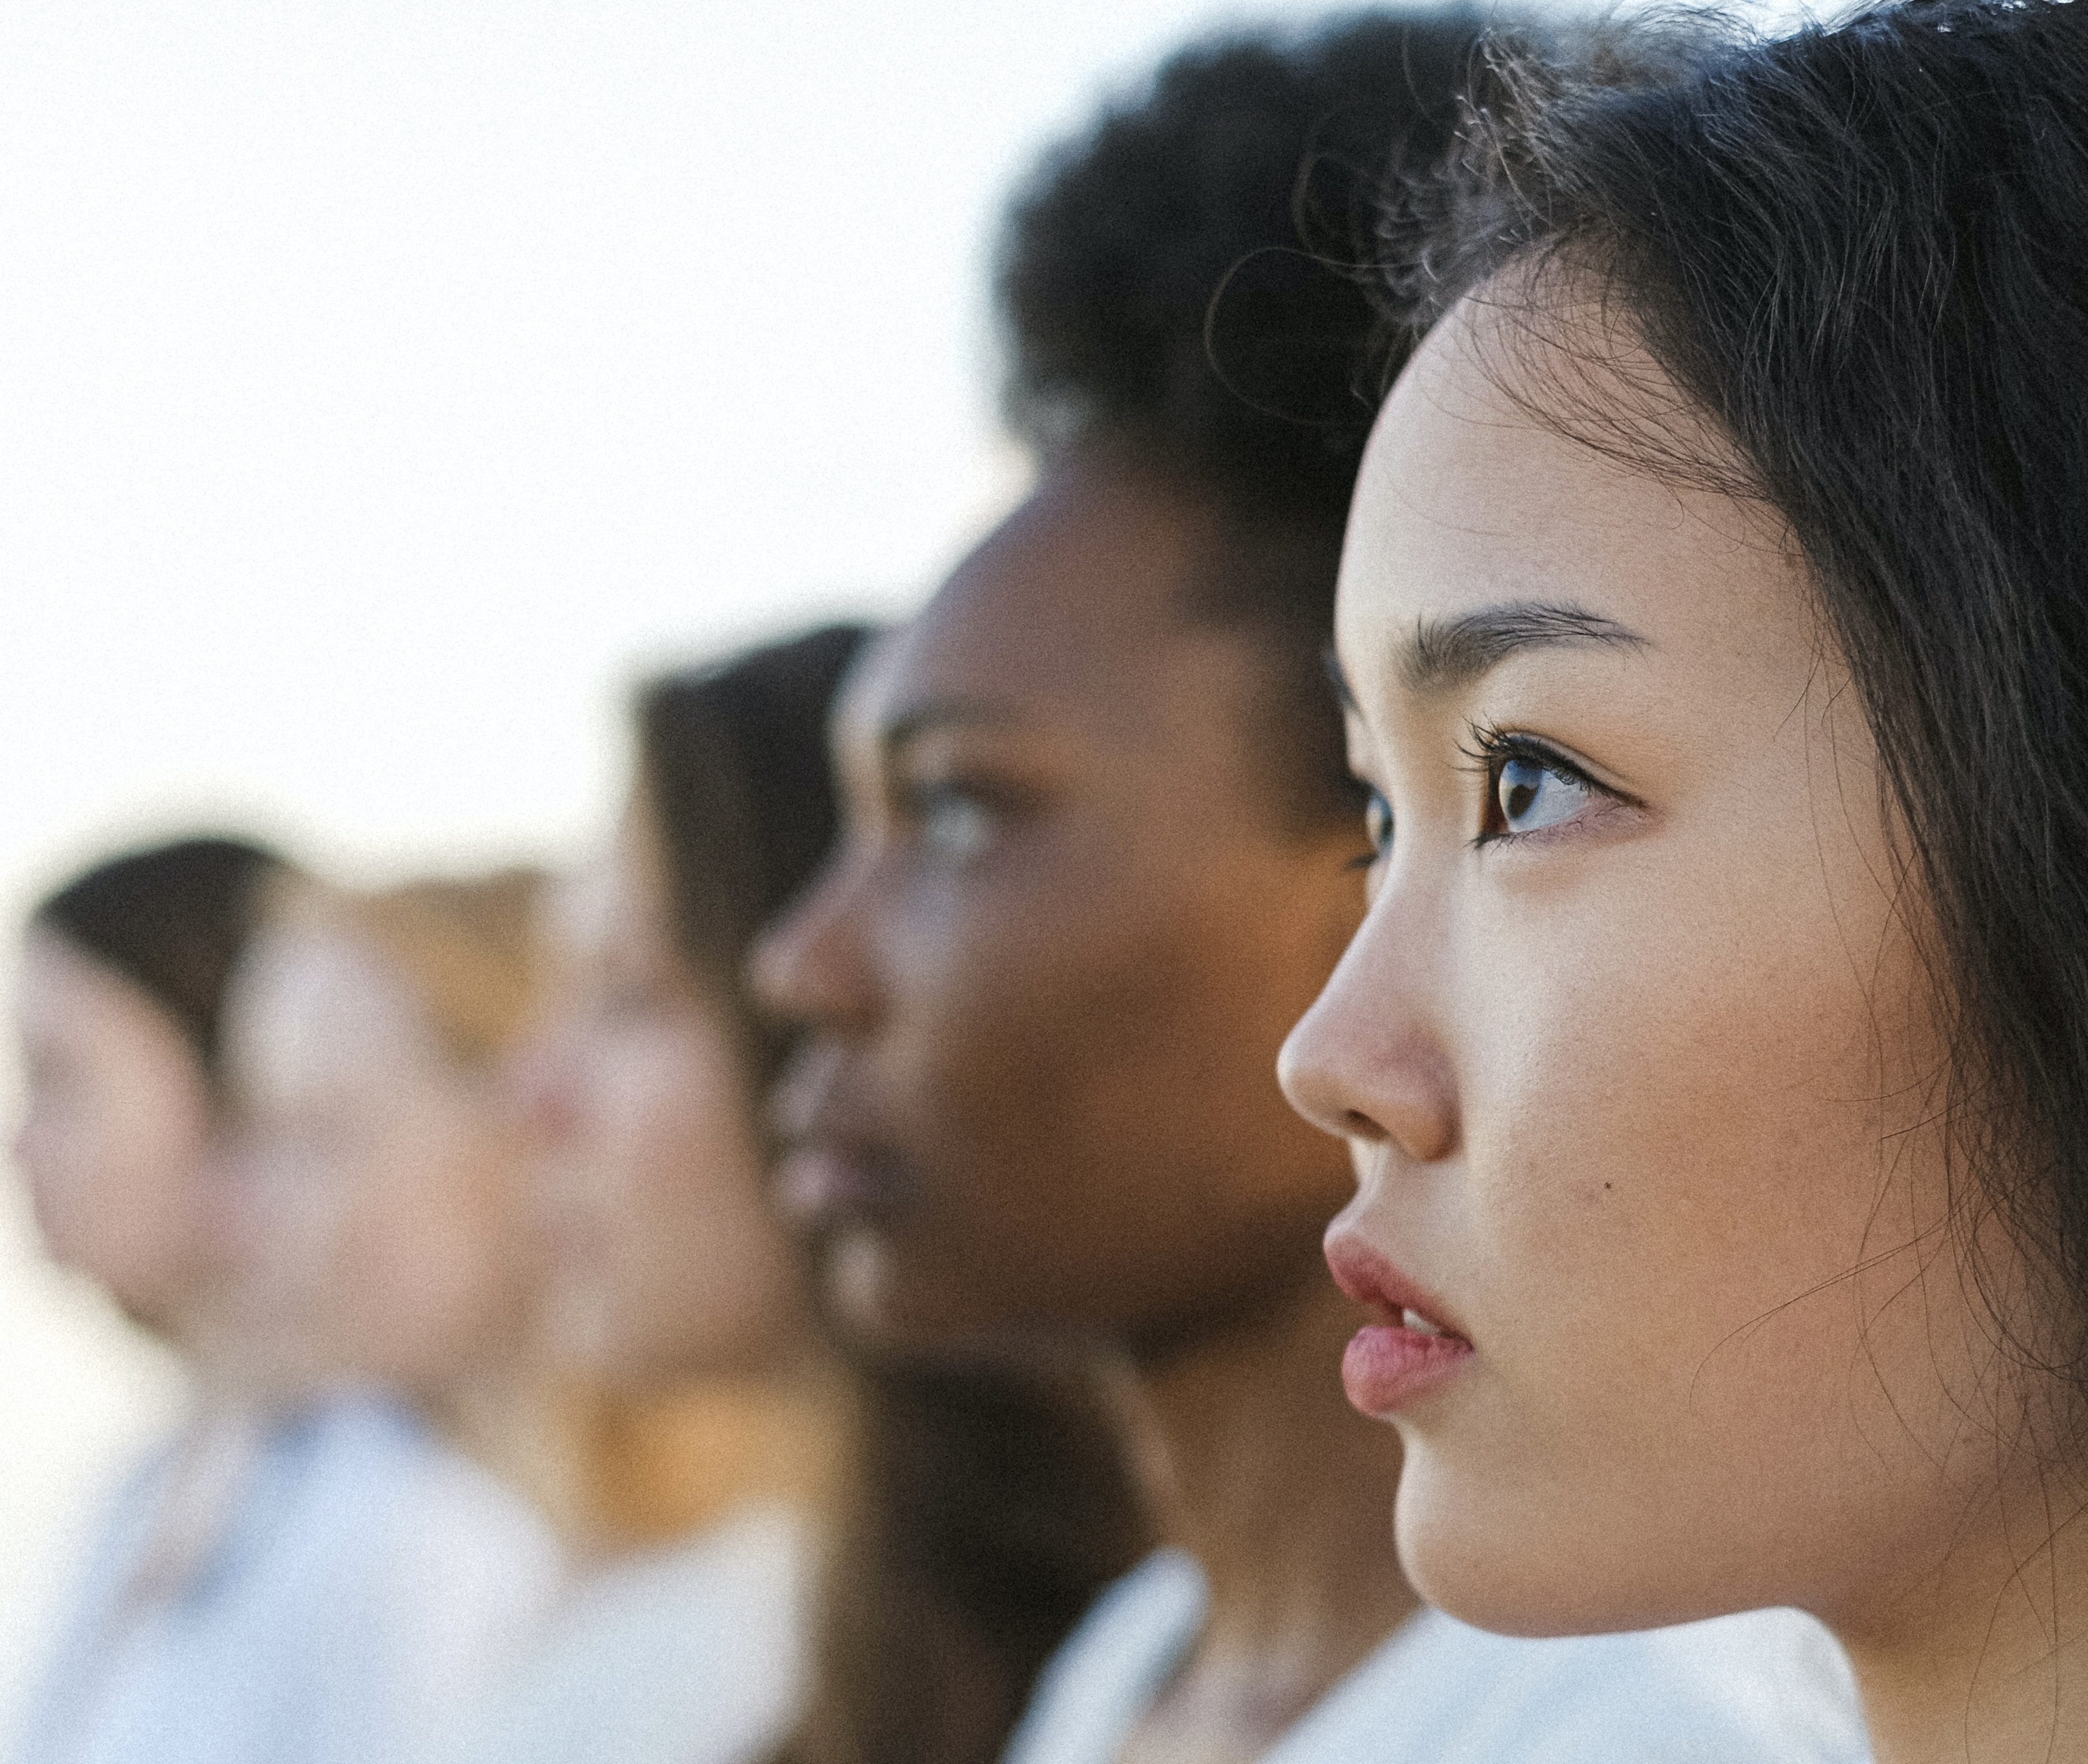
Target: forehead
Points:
(1504, 468)
(58, 987)
(69, 1005)
(1063, 608)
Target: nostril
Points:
(1355, 1124)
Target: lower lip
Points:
(1386, 1369)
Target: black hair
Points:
(733, 765)
(1176, 286)
(173, 920)
(1861, 253)
(991, 1505)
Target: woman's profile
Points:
(1714, 631)
(200, 1627)
(671, 1294)
(386, 1252)
(853, 1559)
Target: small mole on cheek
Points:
(1607, 1186)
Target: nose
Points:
(810, 967)
(1366, 1062)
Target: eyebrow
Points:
(1443, 654)
(910, 725)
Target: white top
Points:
(695, 1654)
(369, 1578)
(1764, 1687)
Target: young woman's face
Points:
(1049, 967)
(114, 1132)
(666, 1259)
(1634, 1052)
(381, 1223)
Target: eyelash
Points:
(1491, 747)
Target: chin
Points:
(1492, 1557)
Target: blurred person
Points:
(119, 1005)
(118, 1002)
(1100, 849)
(389, 1260)
(735, 1452)
(218, 1619)
(670, 1289)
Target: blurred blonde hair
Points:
(466, 946)
(611, 1470)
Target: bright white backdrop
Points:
(381, 384)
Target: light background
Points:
(383, 384)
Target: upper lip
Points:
(1376, 1283)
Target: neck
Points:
(662, 1464)
(1985, 1659)
(1284, 1494)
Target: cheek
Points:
(430, 1244)
(1673, 1124)
(686, 1133)
(125, 1201)
(1678, 1105)
(1041, 1040)
(1093, 1101)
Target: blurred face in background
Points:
(665, 1259)
(114, 1132)
(1049, 967)
(382, 1227)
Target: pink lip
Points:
(1388, 1366)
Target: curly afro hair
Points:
(1181, 286)
(1178, 279)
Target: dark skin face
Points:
(1049, 969)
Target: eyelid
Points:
(1490, 745)
(1491, 748)
(913, 790)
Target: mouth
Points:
(835, 1170)
(820, 1183)
(1412, 1351)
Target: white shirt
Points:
(1764, 1687)
(370, 1579)
(695, 1654)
